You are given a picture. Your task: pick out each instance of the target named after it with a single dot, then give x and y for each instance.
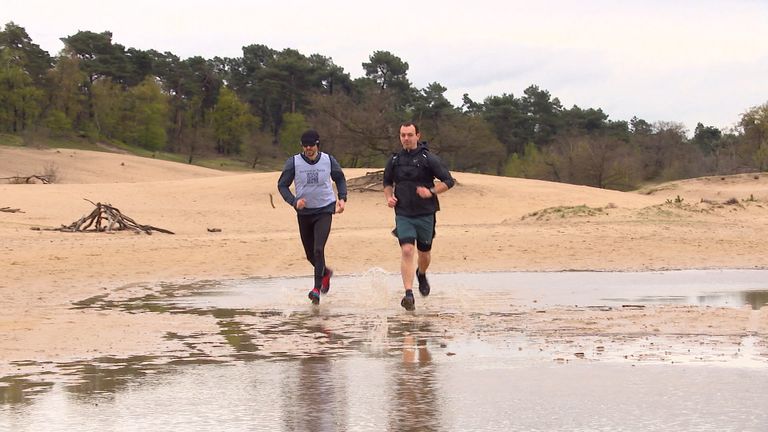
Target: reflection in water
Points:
(757, 299)
(485, 393)
(754, 298)
(17, 390)
(105, 375)
(314, 397)
(237, 336)
(415, 404)
(101, 378)
(359, 363)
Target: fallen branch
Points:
(10, 210)
(107, 218)
(46, 179)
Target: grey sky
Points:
(687, 61)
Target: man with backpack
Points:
(410, 188)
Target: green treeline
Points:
(254, 107)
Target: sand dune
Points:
(487, 223)
(84, 167)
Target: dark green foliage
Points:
(28, 55)
(388, 70)
(99, 57)
(588, 120)
(707, 138)
(23, 66)
(390, 73)
(256, 104)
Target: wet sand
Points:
(662, 317)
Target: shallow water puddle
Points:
(497, 291)
(486, 351)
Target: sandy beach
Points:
(487, 223)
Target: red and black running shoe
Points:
(325, 285)
(314, 295)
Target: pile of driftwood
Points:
(107, 218)
(372, 181)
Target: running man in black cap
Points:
(410, 188)
(311, 172)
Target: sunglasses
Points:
(308, 144)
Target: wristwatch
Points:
(432, 189)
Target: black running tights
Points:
(314, 231)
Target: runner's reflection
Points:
(415, 405)
(315, 397)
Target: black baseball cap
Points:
(310, 137)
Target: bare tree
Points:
(595, 160)
(360, 129)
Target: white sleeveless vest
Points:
(313, 182)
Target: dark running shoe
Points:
(423, 283)
(314, 295)
(326, 283)
(408, 302)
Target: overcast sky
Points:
(686, 61)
